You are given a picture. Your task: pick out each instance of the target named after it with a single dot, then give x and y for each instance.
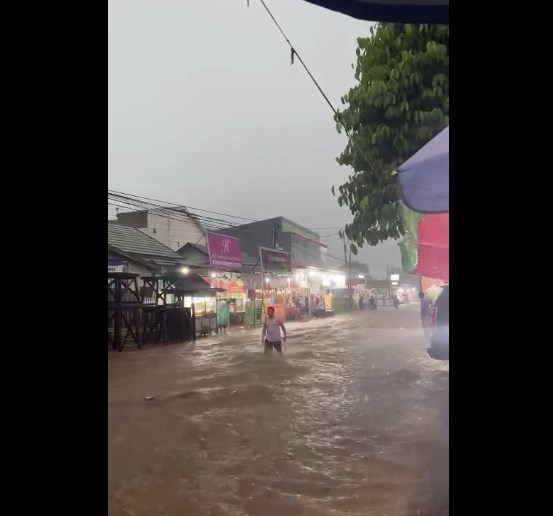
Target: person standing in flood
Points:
(271, 332)
(223, 316)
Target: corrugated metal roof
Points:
(135, 242)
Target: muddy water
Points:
(352, 420)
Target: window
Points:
(154, 230)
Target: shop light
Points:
(213, 274)
(267, 280)
(185, 270)
(361, 276)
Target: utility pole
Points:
(346, 261)
(275, 239)
(345, 250)
(350, 289)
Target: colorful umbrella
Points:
(394, 11)
(433, 255)
(424, 177)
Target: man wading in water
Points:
(271, 332)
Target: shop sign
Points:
(275, 261)
(115, 265)
(231, 286)
(237, 287)
(224, 251)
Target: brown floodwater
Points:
(353, 419)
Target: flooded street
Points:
(353, 419)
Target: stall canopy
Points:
(433, 255)
(424, 178)
(394, 11)
(191, 283)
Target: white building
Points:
(172, 228)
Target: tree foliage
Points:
(400, 102)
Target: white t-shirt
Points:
(273, 329)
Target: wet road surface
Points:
(352, 420)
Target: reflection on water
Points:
(352, 420)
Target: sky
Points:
(205, 109)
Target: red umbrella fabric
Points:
(433, 256)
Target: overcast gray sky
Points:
(205, 109)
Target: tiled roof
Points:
(135, 242)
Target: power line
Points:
(181, 206)
(165, 214)
(174, 213)
(121, 201)
(294, 52)
(210, 223)
(175, 210)
(205, 224)
(331, 227)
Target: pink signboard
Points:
(224, 251)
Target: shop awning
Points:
(394, 11)
(424, 178)
(210, 292)
(191, 283)
(433, 255)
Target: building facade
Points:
(173, 229)
(303, 244)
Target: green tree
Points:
(400, 102)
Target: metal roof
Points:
(137, 243)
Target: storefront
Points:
(205, 308)
(276, 294)
(230, 289)
(254, 302)
(322, 285)
(303, 293)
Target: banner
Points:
(408, 245)
(231, 286)
(275, 261)
(224, 251)
(115, 265)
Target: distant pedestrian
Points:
(271, 332)
(372, 303)
(223, 315)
